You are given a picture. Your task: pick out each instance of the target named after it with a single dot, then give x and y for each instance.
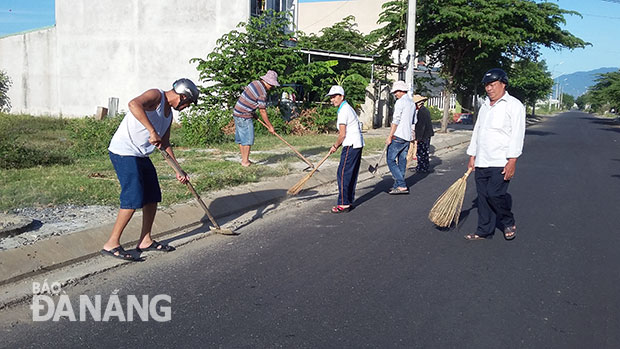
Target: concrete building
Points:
(115, 48)
(316, 15)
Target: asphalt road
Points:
(382, 275)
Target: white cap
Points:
(399, 86)
(335, 90)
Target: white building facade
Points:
(115, 48)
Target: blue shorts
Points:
(244, 130)
(139, 184)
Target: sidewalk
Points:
(181, 223)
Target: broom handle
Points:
(287, 143)
(319, 164)
(469, 170)
(177, 168)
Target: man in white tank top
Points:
(145, 128)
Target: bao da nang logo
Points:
(51, 303)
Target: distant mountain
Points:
(576, 84)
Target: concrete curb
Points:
(60, 251)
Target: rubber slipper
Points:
(122, 254)
(156, 246)
(476, 237)
(396, 191)
(340, 209)
(510, 232)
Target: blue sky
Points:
(600, 26)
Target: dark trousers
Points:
(348, 169)
(494, 202)
(422, 155)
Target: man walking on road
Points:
(400, 136)
(254, 97)
(496, 143)
(145, 128)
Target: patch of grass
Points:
(89, 178)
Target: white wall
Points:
(29, 60)
(314, 16)
(112, 48)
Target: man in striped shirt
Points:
(254, 97)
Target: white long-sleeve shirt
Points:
(499, 132)
(404, 113)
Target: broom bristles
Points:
(447, 207)
(294, 190)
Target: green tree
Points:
(243, 55)
(530, 81)
(5, 84)
(605, 94)
(393, 34)
(567, 101)
(354, 76)
(461, 34)
(581, 102)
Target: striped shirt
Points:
(254, 96)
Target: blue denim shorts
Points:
(138, 178)
(244, 130)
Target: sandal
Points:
(397, 191)
(340, 209)
(122, 254)
(510, 232)
(156, 246)
(476, 237)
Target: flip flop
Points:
(156, 246)
(510, 232)
(122, 254)
(396, 191)
(476, 237)
(340, 209)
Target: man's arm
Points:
(182, 177)
(263, 114)
(138, 106)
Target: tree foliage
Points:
(243, 55)
(567, 101)
(605, 94)
(474, 35)
(530, 81)
(393, 34)
(5, 84)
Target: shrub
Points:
(90, 137)
(203, 127)
(436, 113)
(27, 141)
(281, 126)
(5, 84)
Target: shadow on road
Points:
(530, 132)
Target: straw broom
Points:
(447, 208)
(297, 187)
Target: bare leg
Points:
(245, 155)
(124, 215)
(148, 217)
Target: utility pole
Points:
(411, 43)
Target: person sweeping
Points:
(350, 137)
(496, 143)
(145, 128)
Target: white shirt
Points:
(404, 113)
(499, 132)
(132, 138)
(348, 117)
